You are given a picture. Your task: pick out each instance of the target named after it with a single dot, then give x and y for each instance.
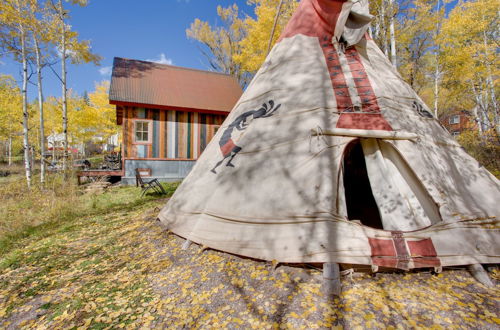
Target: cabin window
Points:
(454, 119)
(142, 131)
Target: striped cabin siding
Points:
(174, 134)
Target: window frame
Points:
(149, 131)
(452, 121)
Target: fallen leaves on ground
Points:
(123, 270)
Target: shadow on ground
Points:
(124, 270)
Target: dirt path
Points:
(123, 270)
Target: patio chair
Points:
(147, 185)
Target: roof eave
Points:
(167, 107)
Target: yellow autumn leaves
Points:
(239, 45)
(122, 270)
(89, 119)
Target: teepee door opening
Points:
(359, 199)
(403, 202)
(382, 191)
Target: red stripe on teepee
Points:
(371, 117)
(314, 18)
(318, 18)
(423, 253)
(383, 252)
(398, 252)
(403, 254)
(336, 74)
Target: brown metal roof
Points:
(148, 83)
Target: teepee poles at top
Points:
(274, 27)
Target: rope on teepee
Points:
(274, 27)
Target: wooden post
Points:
(331, 276)
(480, 274)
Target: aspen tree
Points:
(10, 116)
(468, 43)
(39, 34)
(263, 31)
(15, 17)
(221, 43)
(70, 48)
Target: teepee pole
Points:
(186, 244)
(274, 27)
(331, 276)
(480, 274)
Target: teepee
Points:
(330, 157)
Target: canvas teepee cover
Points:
(329, 156)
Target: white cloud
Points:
(161, 59)
(105, 70)
(69, 52)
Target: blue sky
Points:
(146, 30)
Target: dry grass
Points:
(121, 270)
(21, 208)
(30, 212)
(101, 261)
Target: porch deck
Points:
(98, 173)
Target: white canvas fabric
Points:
(280, 179)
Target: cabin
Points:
(458, 121)
(169, 114)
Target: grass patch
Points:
(107, 264)
(65, 250)
(42, 211)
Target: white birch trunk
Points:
(491, 87)
(477, 118)
(376, 28)
(40, 108)
(496, 115)
(32, 158)
(480, 111)
(436, 58)
(484, 109)
(24, 92)
(436, 90)
(64, 87)
(393, 35)
(9, 156)
(384, 30)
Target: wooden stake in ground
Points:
(331, 279)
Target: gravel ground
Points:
(125, 271)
